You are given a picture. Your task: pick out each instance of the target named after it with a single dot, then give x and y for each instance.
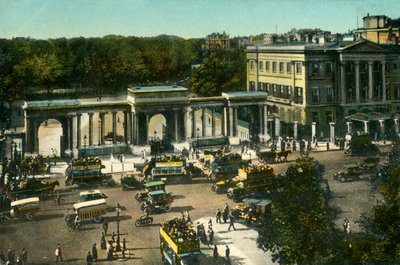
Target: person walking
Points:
(105, 228)
(215, 253)
(89, 259)
(227, 254)
(109, 251)
(24, 256)
(218, 216)
(58, 253)
(210, 237)
(11, 256)
(94, 252)
(103, 243)
(231, 223)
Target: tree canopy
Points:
(300, 227)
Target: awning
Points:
(371, 116)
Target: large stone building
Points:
(380, 29)
(217, 41)
(328, 88)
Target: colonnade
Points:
(371, 81)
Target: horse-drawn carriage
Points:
(25, 208)
(273, 156)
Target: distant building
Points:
(317, 86)
(216, 41)
(380, 29)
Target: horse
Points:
(283, 155)
(47, 188)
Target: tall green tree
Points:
(300, 227)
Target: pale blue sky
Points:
(42, 19)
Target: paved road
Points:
(41, 236)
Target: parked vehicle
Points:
(259, 208)
(159, 201)
(25, 208)
(131, 182)
(148, 187)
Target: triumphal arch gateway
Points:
(126, 121)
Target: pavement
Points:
(242, 244)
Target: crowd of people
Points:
(13, 258)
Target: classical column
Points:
(147, 128)
(126, 126)
(35, 137)
(28, 135)
(382, 127)
(348, 123)
(277, 126)
(365, 126)
(223, 120)
(78, 130)
(266, 119)
(133, 127)
(332, 131)
(194, 123)
(396, 125)
(176, 126)
(90, 128)
(102, 127)
(185, 133)
(357, 79)
(370, 80)
(383, 64)
(295, 130)
(71, 133)
(343, 82)
(212, 122)
(228, 121)
(114, 126)
(313, 129)
(136, 128)
(203, 122)
(260, 119)
(235, 122)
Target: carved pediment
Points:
(363, 47)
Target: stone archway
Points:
(157, 127)
(50, 135)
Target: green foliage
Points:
(222, 70)
(107, 65)
(300, 227)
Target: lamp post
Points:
(197, 137)
(99, 125)
(155, 135)
(118, 209)
(84, 140)
(12, 151)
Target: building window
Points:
(260, 65)
(396, 92)
(267, 66)
(289, 68)
(329, 116)
(281, 68)
(328, 68)
(315, 94)
(299, 68)
(274, 67)
(395, 66)
(267, 87)
(330, 94)
(316, 68)
(252, 85)
(315, 117)
(251, 65)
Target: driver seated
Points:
(77, 221)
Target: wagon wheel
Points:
(229, 195)
(97, 218)
(125, 188)
(149, 221)
(137, 196)
(147, 210)
(30, 216)
(4, 220)
(214, 187)
(137, 223)
(167, 208)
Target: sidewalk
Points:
(242, 244)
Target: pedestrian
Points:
(58, 253)
(89, 259)
(188, 219)
(231, 223)
(327, 145)
(19, 262)
(250, 215)
(113, 237)
(210, 237)
(11, 256)
(105, 227)
(24, 256)
(94, 252)
(210, 224)
(2, 257)
(218, 216)
(103, 244)
(294, 146)
(215, 253)
(227, 253)
(109, 251)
